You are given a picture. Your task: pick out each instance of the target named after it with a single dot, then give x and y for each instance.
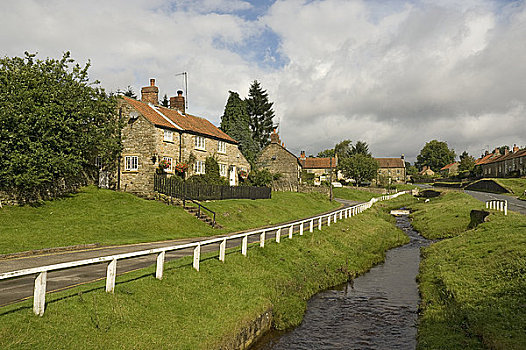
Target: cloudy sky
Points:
(392, 73)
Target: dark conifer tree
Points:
(165, 102)
(260, 111)
(235, 122)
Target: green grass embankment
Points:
(473, 285)
(203, 310)
(107, 218)
(515, 186)
(354, 194)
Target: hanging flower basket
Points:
(243, 174)
(181, 168)
(164, 164)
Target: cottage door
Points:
(233, 174)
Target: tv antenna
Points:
(185, 82)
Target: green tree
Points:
(128, 92)
(435, 154)
(359, 167)
(235, 122)
(326, 153)
(53, 124)
(343, 149)
(165, 102)
(361, 147)
(410, 169)
(467, 162)
(211, 175)
(260, 111)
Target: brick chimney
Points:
(515, 148)
(177, 102)
(302, 155)
(274, 137)
(402, 156)
(150, 94)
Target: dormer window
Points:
(221, 148)
(200, 143)
(168, 136)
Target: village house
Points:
(320, 167)
(450, 169)
(391, 170)
(502, 165)
(278, 160)
(426, 170)
(155, 135)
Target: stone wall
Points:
(250, 333)
(138, 139)
(396, 174)
(277, 159)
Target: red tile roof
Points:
(172, 119)
(318, 163)
(492, 157)
(445, 167)
(390, 162)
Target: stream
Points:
(377, 310)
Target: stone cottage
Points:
(277, 159)
(501, 165)
(320, 167)
(392, 169)
(153, 134)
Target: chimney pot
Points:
(150, 94)
(177, 102)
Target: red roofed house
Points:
(392, 168)
(501, 165)
(320, 167)
(153, 133)
(450, 169)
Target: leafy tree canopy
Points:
(260, 111)
(128, 92)
(235, 122)
(359, 167)
(53, 124)
(467, 162)
(343, 149)
(361, 147)
(326, 153)
(435, 154)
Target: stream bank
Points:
(377, 310)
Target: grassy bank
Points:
(108, 217)
(354, 194)
(515, 186)
(473, 285)
(202, 310)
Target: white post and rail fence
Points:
(498, 204)
(39, 294)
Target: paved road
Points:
(513, 203)
(18, 289)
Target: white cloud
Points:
(395, 74)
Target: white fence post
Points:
(311, 226)
(341, 214)
(290, 231)
(278, 235)
(301, 229)
(319, 223)
(111, 272)
(222, 250)
(346, 213)
(197, 256)
(160, 265)
(39, 294)
(244, 245)
(487, 204)
(505, 207)
(262, 239)
(329, 220)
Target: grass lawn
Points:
(473, 285)
(203, 310)
(107, 217)
(444, 216)
(516, 186)
(353, 194)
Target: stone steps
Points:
(203, 217)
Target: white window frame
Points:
(169, 169)
(221, 147)
(131, 163)
(200, 143)
(223, 169)
(199, 167)
(168, 136)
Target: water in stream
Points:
(375, 311)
